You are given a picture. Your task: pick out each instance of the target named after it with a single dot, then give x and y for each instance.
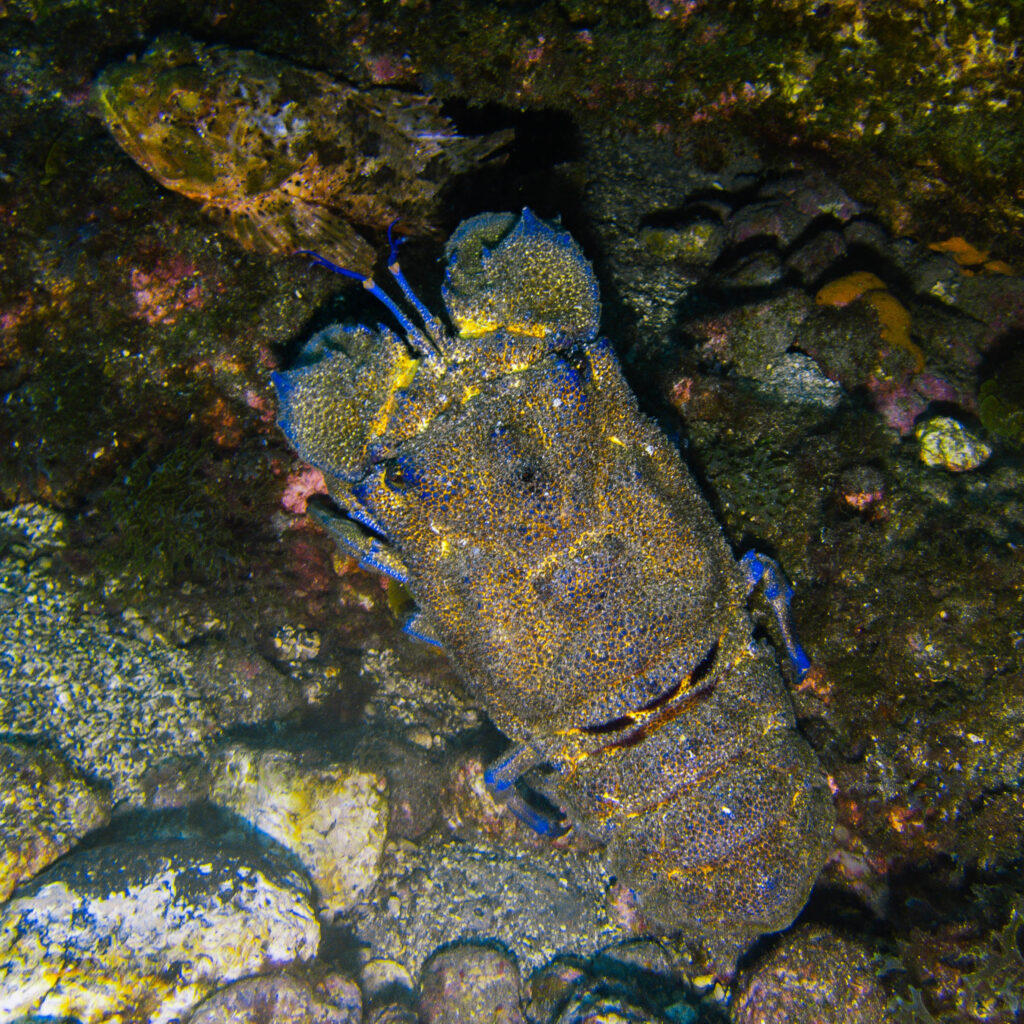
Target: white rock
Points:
(147, 931)
(334, 818)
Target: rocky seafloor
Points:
(232, 789)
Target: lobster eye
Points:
(399, 475)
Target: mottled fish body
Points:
(284, 157)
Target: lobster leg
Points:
(419, 628)
(779, 594)
(501, 776)
(549, 825)
(372, 553)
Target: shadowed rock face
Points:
(562, 555)
(285, 157)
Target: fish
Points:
(283, 157)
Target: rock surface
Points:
(113, 705)
(599, 1007)
(467, 983)
(282, 999)
(813, 976)
(641, 981)
(147, 931)
(45, 808)
(536, 903)
(947, 444)
(334, 818)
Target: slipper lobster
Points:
(562, 555)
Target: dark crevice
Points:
(614, 725)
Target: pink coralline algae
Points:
(727, 101)
(260, 404)
(901, 401)
(680, 11)
(11, 316)
(300, 488)
(165, 292)
(386, 69)
(862, 488)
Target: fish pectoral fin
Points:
(467, 152)
(413, 132)
(279, 222)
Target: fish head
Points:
(196, 118)
(155, 108)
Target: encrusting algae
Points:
(893, 318)
(286, 158)
(970, 258)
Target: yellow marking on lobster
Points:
(404, 373)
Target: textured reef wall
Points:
(916, 105)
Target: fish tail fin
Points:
(465, 152)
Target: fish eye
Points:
(188, 100)
(397, 477)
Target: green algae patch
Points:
(1001, 402)
(169, 518)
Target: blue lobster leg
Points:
(434, 326)
(543, 824)
(501, 774)
(372, 553)
(500, 777)
(779, 594)
(419, 628)
(435, 329)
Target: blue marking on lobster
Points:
(778, 593)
